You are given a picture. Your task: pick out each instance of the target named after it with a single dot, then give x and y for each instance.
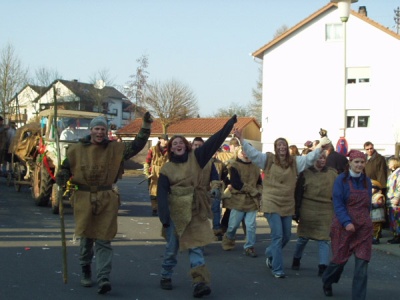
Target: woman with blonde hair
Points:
(278, 204)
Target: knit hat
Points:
(98, 121)
(353, 154)
(376, 184)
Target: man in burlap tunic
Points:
(184, 206)
(94, 165)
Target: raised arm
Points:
(258, 158)
(134, 147)
(205, 152)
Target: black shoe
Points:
(375, 241)
(86, 280)
(327, 290)
(321, 269)
(296, 263)
(201, 289)
(166, 283)
(395, 240)
(154, 213)
(104, 286)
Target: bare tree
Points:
(281, 30)
(170, 101)
(44, 76)
(102, 75)
(255, 108)
(12, 76)
(234, 108)
(136, 88)
(100, 79)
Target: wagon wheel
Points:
(17, 176)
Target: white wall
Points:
(303, 82)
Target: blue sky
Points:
(205, 44)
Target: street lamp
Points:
(344, 13)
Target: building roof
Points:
(259, 53)
(85, 91)
(187, 127)
(81, 89)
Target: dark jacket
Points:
(376, 168)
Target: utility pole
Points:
(397, 19)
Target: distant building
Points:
(75, 95)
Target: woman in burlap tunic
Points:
(351, 226)
(281, 170)
(314, 210)
(94, 164)
(184, 206)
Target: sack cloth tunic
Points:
(189, 203)
(248, 198)
(279, 186)
(158, 159)
(316, 210)
(94, 168)
(345, 243)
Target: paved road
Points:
(31, 265)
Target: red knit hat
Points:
(353, 154)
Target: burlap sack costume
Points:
(95, 211)
(189, 202)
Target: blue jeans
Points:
(281, 229)
(216, 210)
(360, 278)
(104, 254)
(323, 247)
(236, 218)
(196, 256)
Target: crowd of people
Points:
(202, 191)
(7, 134)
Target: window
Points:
(363, 121)
(333, 32)
(358, 75)
(351, 120)
(351, 81)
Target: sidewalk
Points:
(385, 247)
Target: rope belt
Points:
(93, 188)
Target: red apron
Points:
(345, 243)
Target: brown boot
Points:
(201, 279)
(227, 244)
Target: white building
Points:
(75, 95)
(305, 88)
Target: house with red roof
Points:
(193, 127)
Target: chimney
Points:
(363, 10)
